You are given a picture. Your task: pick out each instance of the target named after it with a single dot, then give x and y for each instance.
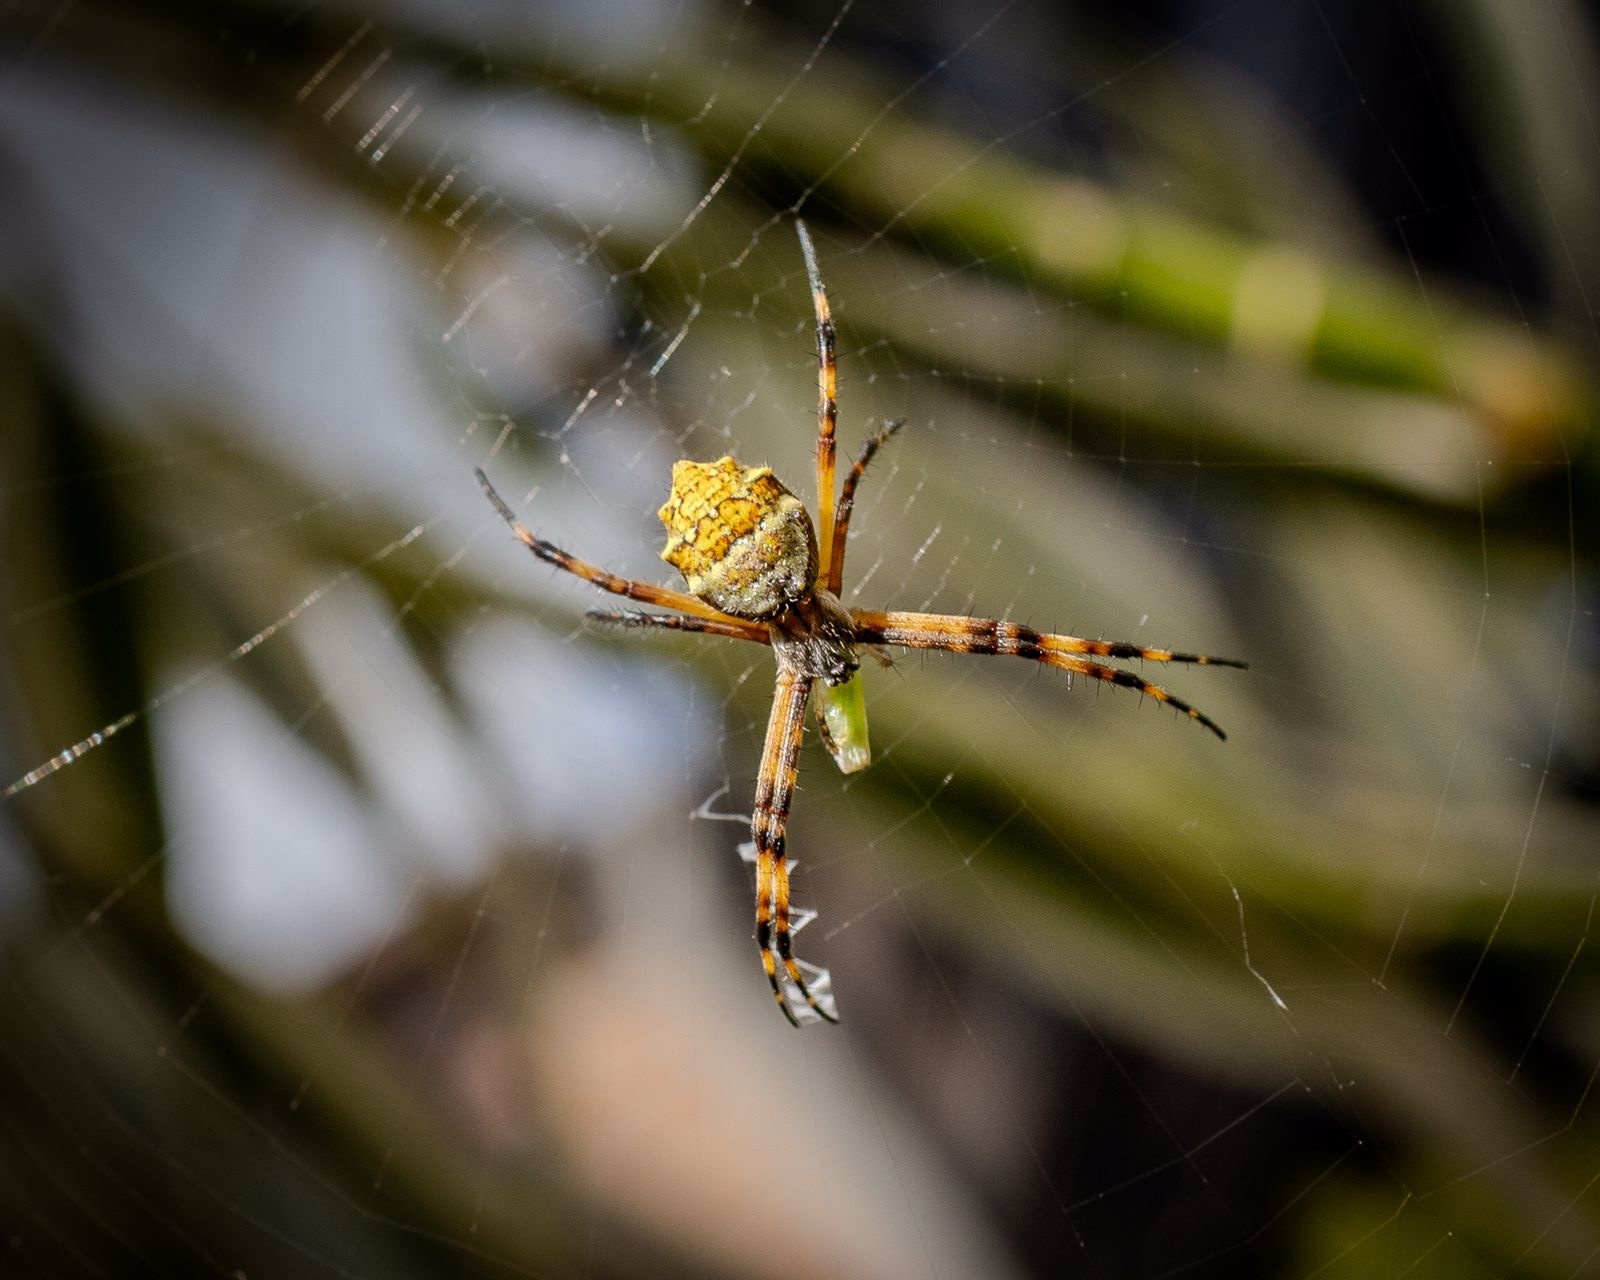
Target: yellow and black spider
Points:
(752, 558)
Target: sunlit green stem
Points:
(842, 717)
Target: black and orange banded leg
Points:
(827, 395)
(733, 628)
(644, 592)
(847, 501)
(780, 762)
(956, 634)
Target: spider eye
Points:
(742, 541)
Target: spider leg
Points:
(733, 628)
(847, 501)
(645, 592)
(957, 634)
(827, 395)
(774, 793)
(986, 635)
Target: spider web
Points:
(370, 912)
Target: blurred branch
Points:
(1526, 75)
(1445, 383)
(1193, 993)
(85, 661)
(830, 130)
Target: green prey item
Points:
(844, 723)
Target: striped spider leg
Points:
(827, 394)
(741, 540)
(841, 702)
(775, 784)
(775, 787)
(847, 499)
(989, 636)
(644, 592)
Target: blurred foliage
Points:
(1371, 908)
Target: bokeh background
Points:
(365, 911)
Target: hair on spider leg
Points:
(634, 618)
(1121, 649)
(879, 654)
(642, 619)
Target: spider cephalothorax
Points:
(759, 571)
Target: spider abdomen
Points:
(743, 543)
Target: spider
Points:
(758, 569)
